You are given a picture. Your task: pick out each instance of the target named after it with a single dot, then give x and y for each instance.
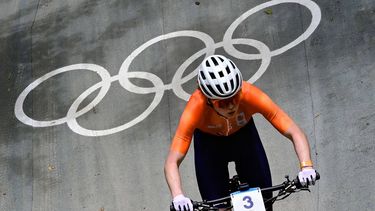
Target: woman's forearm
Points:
(172, 175)
(300, 142)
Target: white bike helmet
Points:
(219, 78)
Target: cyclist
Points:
(219, 116)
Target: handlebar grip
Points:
(299, 185)
(171, 207)
(195, 205)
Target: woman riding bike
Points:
(219, 116)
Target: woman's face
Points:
(227, 107)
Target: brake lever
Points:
(305, 189)
(292, 186)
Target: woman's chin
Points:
(229, 114)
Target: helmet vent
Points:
(221, 59)
(219, 88)
(234, 67)
(203, 76)
(205, 91)
(226, 87)
(228, 70)
(231, 83)
(212, 75)
(210, 88)
(215, 62)
(238, 81)
(208, 64)
(221, 74)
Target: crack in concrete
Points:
(32, 73)
(312, 99)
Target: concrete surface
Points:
(80, 130)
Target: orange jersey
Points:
(198, 114)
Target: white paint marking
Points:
(159, 87)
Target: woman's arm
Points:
(301, 145)
(171, 171)
(281, 121)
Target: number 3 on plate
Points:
(249, 200)
(248, 203)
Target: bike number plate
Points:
(249, 200)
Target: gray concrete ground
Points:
(91, 93)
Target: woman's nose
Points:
(231, 105)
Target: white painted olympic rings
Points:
(159, 87)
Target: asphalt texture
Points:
(92, 91)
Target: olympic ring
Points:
(208, 41)
(265, 55)
(20, 114)
(316, 17)
(74, 126)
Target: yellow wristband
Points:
(308, 163)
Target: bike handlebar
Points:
(295, 182)
(284, 186)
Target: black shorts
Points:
(212, 154)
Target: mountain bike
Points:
(245, 198)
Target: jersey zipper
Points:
(228, 126)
